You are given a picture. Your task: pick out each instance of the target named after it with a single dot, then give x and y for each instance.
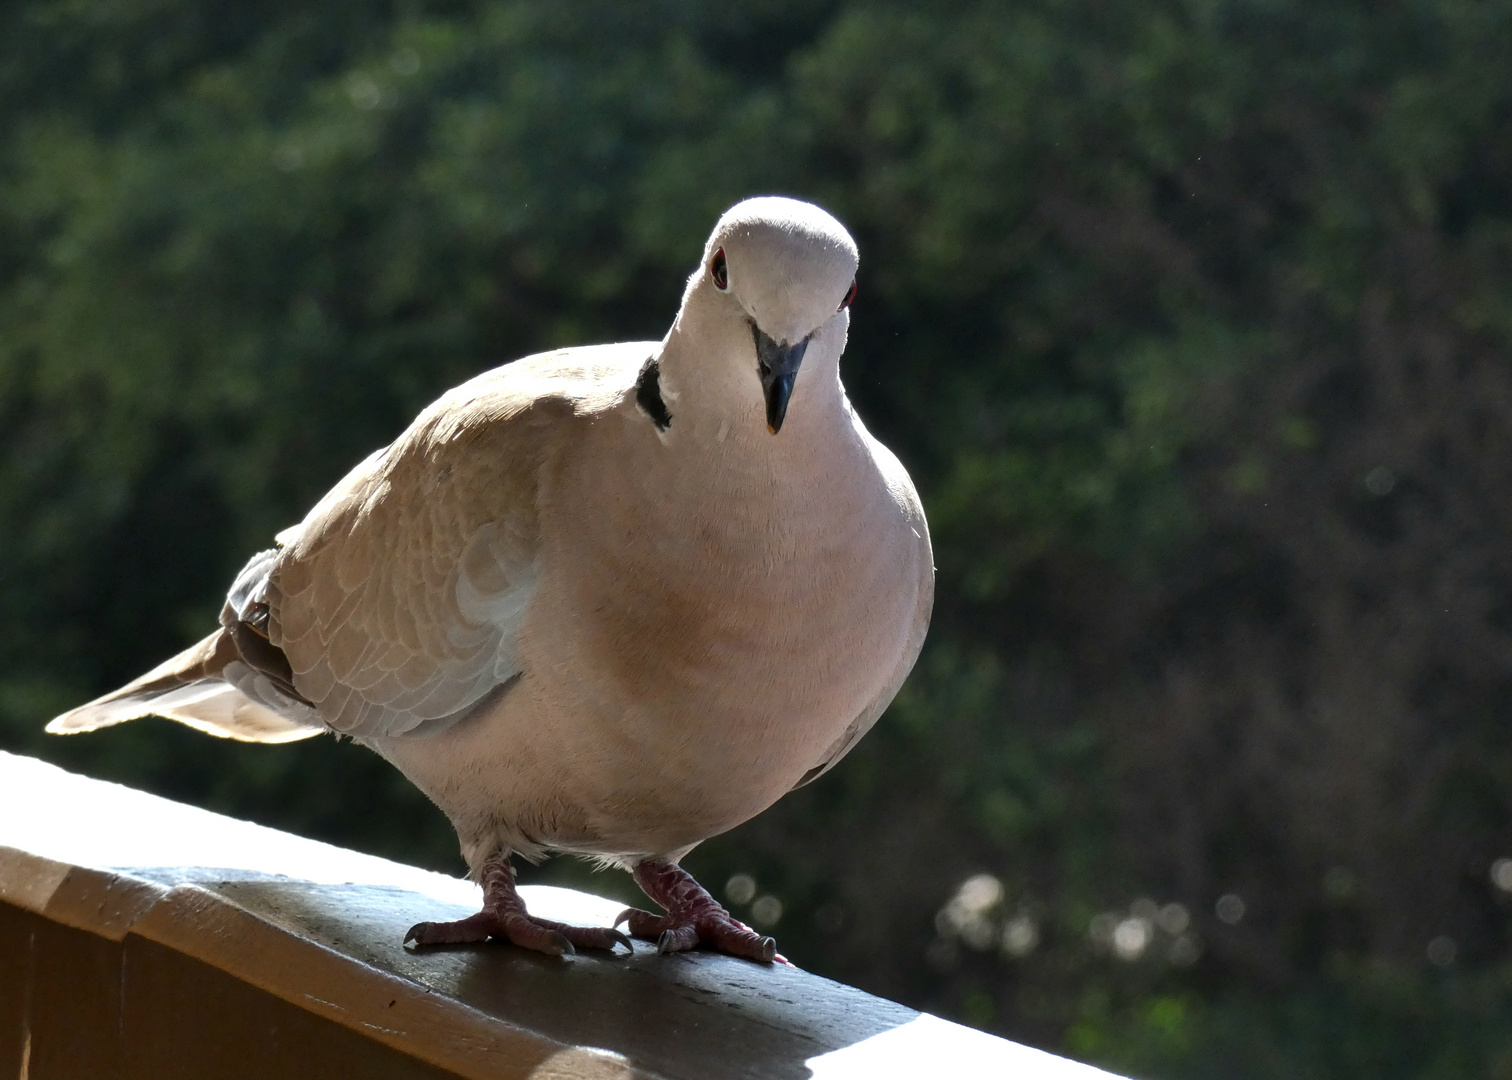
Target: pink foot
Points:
(504, 916)
(693, 917)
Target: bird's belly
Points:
(651, 720)
(701, 718)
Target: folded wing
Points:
(397, 601)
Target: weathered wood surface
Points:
(143, 938)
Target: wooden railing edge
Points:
(330, 949)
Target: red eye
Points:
(850, 297)
(719, 271)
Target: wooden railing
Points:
(143, 938)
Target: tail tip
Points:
(89, 717)
(67, 724)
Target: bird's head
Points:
(777, 278)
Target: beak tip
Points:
(777, 365)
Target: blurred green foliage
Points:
(1192, 320)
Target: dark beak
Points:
(778, 367)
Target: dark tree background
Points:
(1192, 319)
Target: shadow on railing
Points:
(143, 938)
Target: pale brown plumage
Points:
(596, 606)
(396, 598)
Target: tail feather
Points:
(188, 688)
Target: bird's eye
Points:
(850, 297)
(719, 271)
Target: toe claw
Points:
(693, 917)
(414, 932)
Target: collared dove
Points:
(607, 601)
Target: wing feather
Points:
(398, 599)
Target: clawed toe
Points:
(731, 936)
(541, 935)
(504, 916)
(716, 929)
(473, 928)
(643, 924)
(693, 917)
(589, 937)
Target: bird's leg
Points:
(693, 916)
(504, 916)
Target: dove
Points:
(606, 601)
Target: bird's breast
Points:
(713, 626)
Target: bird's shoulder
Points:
(579, 381)
(500, 423)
